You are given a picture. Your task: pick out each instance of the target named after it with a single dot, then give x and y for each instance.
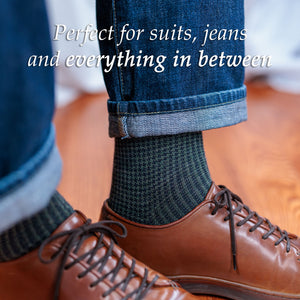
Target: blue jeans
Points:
(142, 102)
(182, 99)
(30, 166)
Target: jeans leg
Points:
(144, 102)
(29, 162)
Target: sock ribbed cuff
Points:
(29, 234)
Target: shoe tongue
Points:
(77, 219)
(213, 190)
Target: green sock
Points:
(29, 234)
(158, 180)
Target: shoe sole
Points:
(229, 290)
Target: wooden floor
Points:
(258, 159)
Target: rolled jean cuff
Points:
(179, 115)
(28, 190)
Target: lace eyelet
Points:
(79, 276)
(91, 287)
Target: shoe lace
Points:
(225, 198)
(74, 240)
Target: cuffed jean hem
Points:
(173, 116)
(29, 189)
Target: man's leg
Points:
(48, 251)
(30, 166)
(197, 233)
(160, 170)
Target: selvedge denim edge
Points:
(29, 189)
(179, 115)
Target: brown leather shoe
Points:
(220, 248)
(80, 261)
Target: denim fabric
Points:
(27, 94)
(29, 189)
(29, 162)
(136, 92)
(178, 122)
